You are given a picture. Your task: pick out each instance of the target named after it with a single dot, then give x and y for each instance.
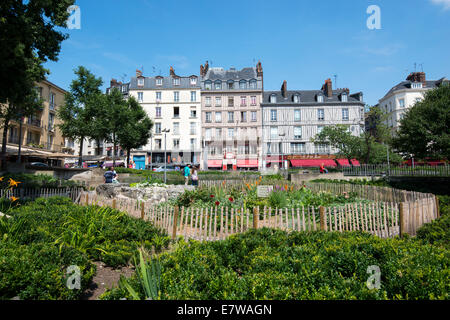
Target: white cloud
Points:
(177, 61)
(387, 50)
(445, 3)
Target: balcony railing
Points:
(52, 106)
(34, 122)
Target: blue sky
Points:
(302, 42)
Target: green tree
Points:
(83, 103)
(28, 38)
(116, 116)
(376, 138)
(137, 130)
(425, 128)
(339, 137)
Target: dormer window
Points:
(296, 98)
(242, 84)
(416, 85)
(193, 81)
(230, 84)
(208, 85)
(273, 98)
(344, 97)
(159, 81)
(218, 85)
(176, 81)
(124, 89)
(319, 98)
(253, 84)
(140, 82)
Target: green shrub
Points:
(273, 264)
(101, 233)
(28, 180)
(38, 271)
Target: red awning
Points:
(249, 163)
(343, 162)
(313, 163)
(355, 162)
(215, 163)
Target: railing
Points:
(34, 122)
(384, 169)
(30, 193)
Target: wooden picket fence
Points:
(32, 193)
(224, 183)
(374, 193)
(384, 219)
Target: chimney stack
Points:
(284, 89)
(138, 73)
(204, 69)
(172, 72)
(113, 83)
(327, 88)
(417, 77)
(259, 69)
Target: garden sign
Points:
(264, 191)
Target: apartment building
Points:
(404, 95)
(173, 104)
(231, 117)
(38, 134)
(291, 118)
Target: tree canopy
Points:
(424, 130)
(28, 38)
(137, 130)
(84, 103)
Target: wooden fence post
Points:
(437, 206)
(87, 198)
(322, 218)
(142, 211)
(255, 217)
(402, 224)
(175, 221)
(114, 203)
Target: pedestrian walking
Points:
(187, 173)
(194, 177)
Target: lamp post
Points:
(151, 152)
(165, 153)
(281, 150)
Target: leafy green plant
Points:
(273, 264)
(148, 272)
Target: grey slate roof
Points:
(307, 96)
(430, 84)
(222, 74)
(150, 83)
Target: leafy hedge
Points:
(273, 264)
(42, 238)
(103, 234)
(38, 271)
(28, 180)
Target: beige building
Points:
(40, 138)
(231, 117)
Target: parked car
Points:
(39, 164)
(161, 168)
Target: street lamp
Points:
(281, 150)
(165, 153)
